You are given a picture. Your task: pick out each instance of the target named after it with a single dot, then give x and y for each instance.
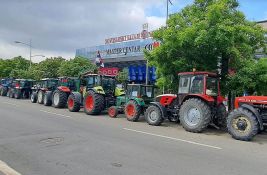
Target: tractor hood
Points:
(165, 99)
(261, 100)
(252, 99)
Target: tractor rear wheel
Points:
(153, 115)
(40, 97)
(132, 111)
(3, 91)
(195, 115)
(113, 112)
(48, 98)
(93, 103)
(242, 124)
(17, 94)
(34, 97)
(74, 102)
(60, 99)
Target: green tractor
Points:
(97, 93)
(21, 88)
(134, 103)
(41, 87)
(58, 96)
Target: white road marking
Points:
(11, 104)
(4, 168)
(172, 138)
(62, 115)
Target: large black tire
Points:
(11, 93)
(93, 103)
(113, 112)
(3, 91)
(40, 97)
(60, 99)
(221, 115)
(48, 98)
(74, 102)
(154, 116)
(132, 111)
(17, 94)
(195, 115)
(34, 97)
(242, 124)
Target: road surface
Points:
(39, 140)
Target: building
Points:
(123, 51)
(263, 24)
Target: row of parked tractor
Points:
(197, 104)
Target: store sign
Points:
(144, 34)
(132, 49)
(113, 71)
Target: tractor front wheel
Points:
(93, 103)
(113, 112)
(48, 98)
(195, 115)
(34, 97)
(40, 97)
(3, 91)
(153, 115)
(132, 111)
(242, 124)
(74, 102)
(17, 94)
(60, 99)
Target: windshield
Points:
(108, 83)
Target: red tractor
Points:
(197, 104)
(248, 118)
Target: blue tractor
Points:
(5, 85)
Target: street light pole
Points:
(30, 53)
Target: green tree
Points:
(13, 67)
(252, 78)
(122, 77)
(49, 68)
(202, 35)
(76, 66)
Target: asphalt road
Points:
(39, 140)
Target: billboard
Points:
(118, 50)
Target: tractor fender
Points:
(255, 112)
(64, 89)
(139, 101)
(162, 109)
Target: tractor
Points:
(21, 88)
(39, 90)
(4, 86)
(97, 93)
(248, 118)
(134, 103)
(197, 104)
(58, 97)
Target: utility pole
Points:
(30, 53)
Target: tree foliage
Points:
(202, 35)
(252, 78)
(19, 67)
(76, 66)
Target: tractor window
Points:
(212, 86)
(135, 90)
(147, 91)
(90, 82)
(184, 85)
(197, 84)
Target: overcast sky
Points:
(58, 27)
